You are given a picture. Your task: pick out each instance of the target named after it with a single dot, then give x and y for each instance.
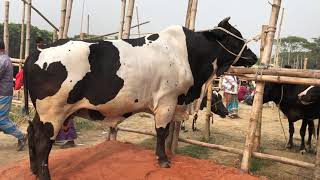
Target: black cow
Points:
(110, 80)
(293, 108)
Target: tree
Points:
(15, 32)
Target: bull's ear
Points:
(224, 22)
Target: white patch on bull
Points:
(305, 91)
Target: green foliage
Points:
(81, 123)
(14, 38)
(149, 143)
(258, 164)
(194, 151)
(294, 49)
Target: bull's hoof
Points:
(164, 164)
(289, 145)
(303, 151)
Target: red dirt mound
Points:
(116, 160)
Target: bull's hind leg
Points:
(163, 117)
(302, 134)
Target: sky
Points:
(301, 17)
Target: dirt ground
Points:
(228, 132)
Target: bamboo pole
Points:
(279, 40)
(67, 19)
(123, 12)
(6, 26)
(187, 23)
(257, 136)
(193, 14)
(40, 14)
(81, 24)
(109, 34)
(88, 24)
(317, 165)
(297, 73)
(22, 32)
(54, 36)
(128, 19)
(305, 63)
(28, 29)
(208, 113)
(283, 160)
(138, 21)
(62, 17)
(258, 99)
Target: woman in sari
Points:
(230, 88)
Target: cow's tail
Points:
(25, 89)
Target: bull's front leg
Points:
(41, 147)
(302, 135)
(163, 118)
(311, 131)
(291, 132)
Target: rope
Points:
(278, 105)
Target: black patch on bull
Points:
(48, 79)
(153, 37)
(201, 54)
(95, 115)
(126, 115)
(102, 83)
(136, 42)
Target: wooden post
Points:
(62, 17)
(81, 24)
(193, 14)
(138, 21)
(88, 24)
(317, 163)
(128, 19)
(28, 28)
(187, 23)
(208, 113)
(22, 34)
(67, 19)
(6, 26)
(258, 99)
(279, 40)
(123, 12)
(305, 63)
(257, 137)
(54, 36)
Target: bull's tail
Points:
(25, 90)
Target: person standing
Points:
(6, 95)
(230, 88)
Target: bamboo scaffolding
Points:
(22, 31)
(258, 99)
(81, 24)
(40, 14)
(279, 40)
(122, 15)
(305, 63)
(67, 19)
(113, 33)
(138, 21)
(208, 113)
(62, 18)
(187, 22)
(193, 15)
(298, 73)
(128, 19)
(6, 26)
(28, 29)
(232, 150)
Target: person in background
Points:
(243, 91)
(230, 88)
(6, 95)
(67, 134)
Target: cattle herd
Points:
(161, 74)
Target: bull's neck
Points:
(201, 54)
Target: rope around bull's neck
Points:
(238, 56)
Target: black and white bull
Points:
(294, 109)
(110, 80)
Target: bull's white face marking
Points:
(305, 91)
